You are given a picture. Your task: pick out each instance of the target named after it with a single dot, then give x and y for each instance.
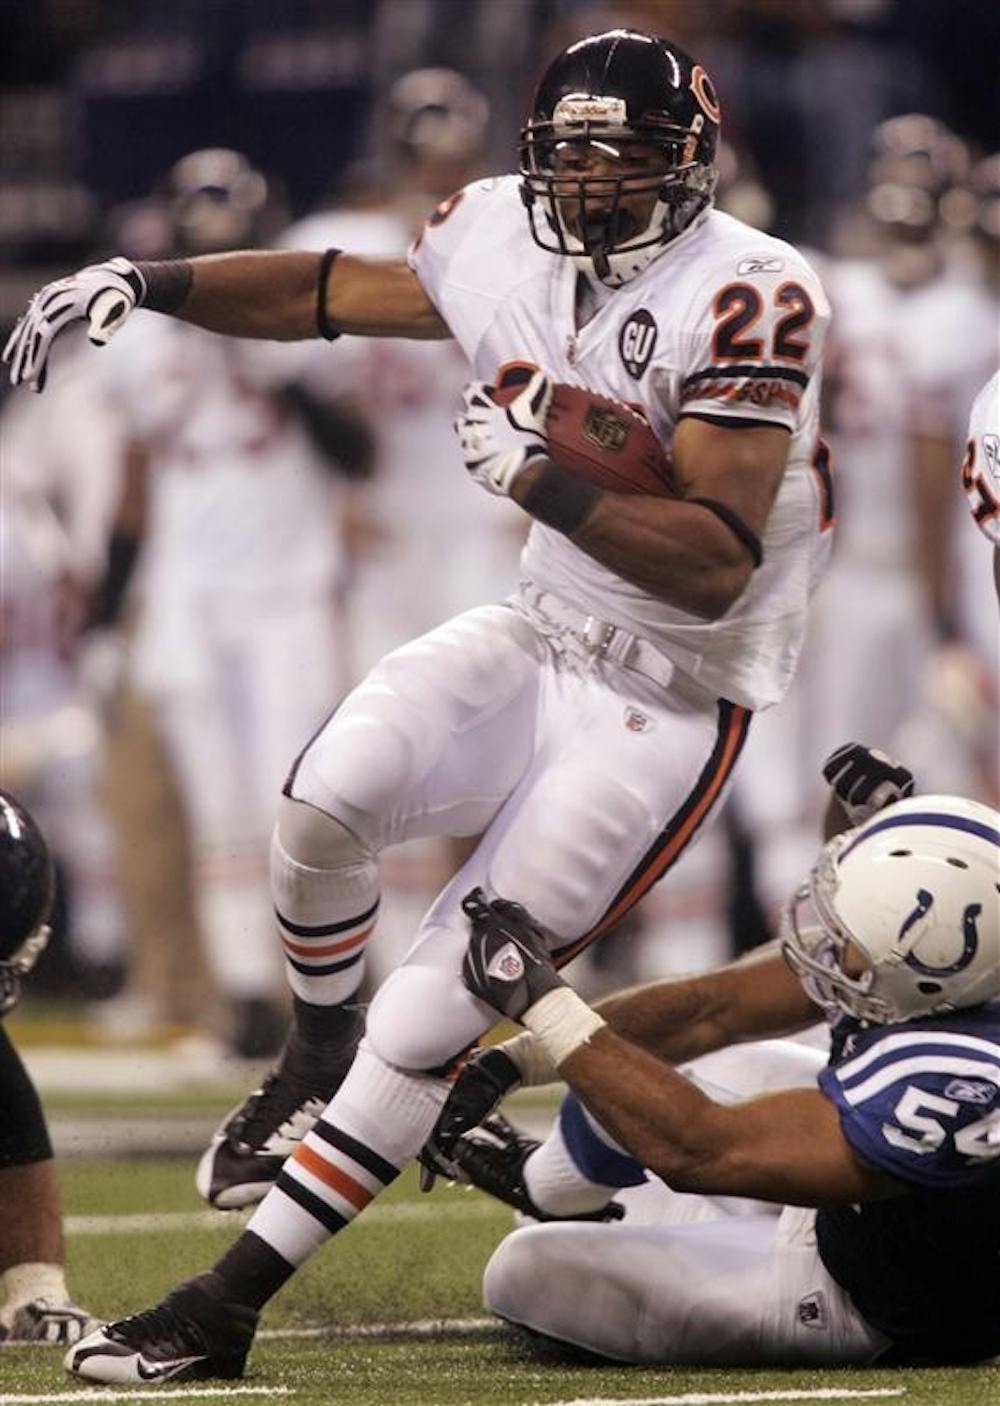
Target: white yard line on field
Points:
(417, 1328)
(454, 1206)
(156, 1394)
(732, 1398)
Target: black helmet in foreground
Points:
(618, 155)
(27, 888)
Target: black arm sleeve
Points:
(343, 437)
(24, 1138)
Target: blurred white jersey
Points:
(981, 465)
(424, 506)
(241, 506)
(896, 365)
(727, 323)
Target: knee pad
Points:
(516, 1280)
(422, 1019)
(315, 840)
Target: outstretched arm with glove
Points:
(279, 295)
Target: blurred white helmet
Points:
(436, 113)
(900, 917)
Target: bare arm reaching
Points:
(276, 296)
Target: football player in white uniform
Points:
(981, 467)
(588, 726)
(907, 330)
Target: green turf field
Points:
(389, 1317)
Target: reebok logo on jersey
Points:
(971, 1091)
(760, 265)
(507, 964)
(812, 1311)
(637, 341)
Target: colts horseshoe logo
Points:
(970, 937)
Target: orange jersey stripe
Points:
(675, 845)
(301, 949)
(332, 1176)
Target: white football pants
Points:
(586, 779)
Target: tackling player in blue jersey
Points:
(873, 1232)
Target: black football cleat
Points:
(193, 1334)
(247, 1150)
(492, 1157)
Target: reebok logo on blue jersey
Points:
(971, 1091)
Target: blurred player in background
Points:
(907, 330)
(981, 468)
(57, 494)
(35, 1305)
(229, 492)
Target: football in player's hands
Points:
(604, 440)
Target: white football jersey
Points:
(897, 364)
(727, 323)
(981, 465)
(240, 500)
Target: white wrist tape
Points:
(562, 1022)
(533, 1064)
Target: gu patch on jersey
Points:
(637, 342)
(507, 964)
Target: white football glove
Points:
(104, 294)
(43, 1322)
(499, 441)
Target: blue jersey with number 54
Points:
(921, 1101)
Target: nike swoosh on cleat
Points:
(158, 1371)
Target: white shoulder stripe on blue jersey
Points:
(926, 817)
(916, 1039)
(921, 1064)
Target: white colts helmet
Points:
(916, 892)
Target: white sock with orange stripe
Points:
(325, 917)
(373, 1127)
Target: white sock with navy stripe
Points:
(325, 917)
(579, 1166)
(373, 1127)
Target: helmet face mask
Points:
(618, 156)
(900, 918)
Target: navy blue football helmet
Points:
(618, 155)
